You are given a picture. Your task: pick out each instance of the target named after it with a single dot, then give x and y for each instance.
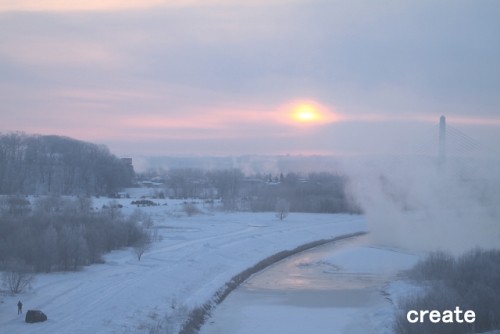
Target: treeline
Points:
(35, 164)
(470, 281)
(314, 192)
(61, 234)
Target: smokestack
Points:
(442, 140)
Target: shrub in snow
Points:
(17, 277)
(141, 217)
(470, 281)
(191, 209)
(64, 234)
(436, 266)
(282, 208)
(142, 245)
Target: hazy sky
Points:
(223, 77)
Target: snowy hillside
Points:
(195, 257)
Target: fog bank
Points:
(416, 202)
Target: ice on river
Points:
(331, 289)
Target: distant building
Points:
(130, 169)
(128, 162)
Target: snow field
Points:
(196, 256)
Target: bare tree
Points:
(282, 208)
(17, 278)
(142, 245)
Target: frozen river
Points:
(335, 288)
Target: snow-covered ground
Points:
(197, 255)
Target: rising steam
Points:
(418, 203)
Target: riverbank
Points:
(331, 289)
(198, 316)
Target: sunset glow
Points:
(306, 113)
(309, 113)
(226, 77)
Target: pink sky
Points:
(213, 77)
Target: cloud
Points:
(57, 53)
(113, 5)
(231, 67)
(74, 5)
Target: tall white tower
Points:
(442, 140)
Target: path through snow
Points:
(195, 258)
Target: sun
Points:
(306, 113)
